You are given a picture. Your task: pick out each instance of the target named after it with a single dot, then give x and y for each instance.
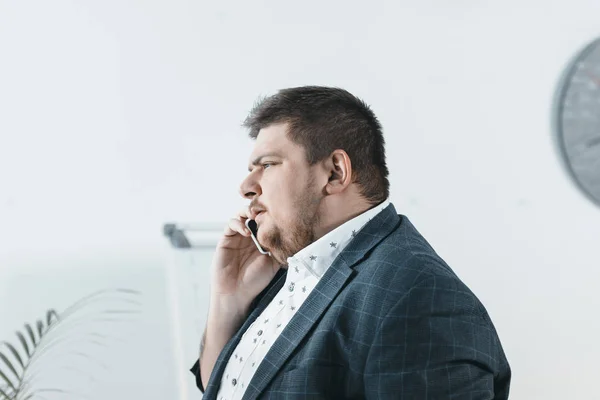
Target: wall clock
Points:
(577, 121)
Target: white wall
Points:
(117, 116)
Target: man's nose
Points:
(249, 188)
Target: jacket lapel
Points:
(216, 376)
(320, 298)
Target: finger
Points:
(235, 227)
(244, 213)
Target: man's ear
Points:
(339, 168)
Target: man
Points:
(352, 301)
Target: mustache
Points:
(256, 204)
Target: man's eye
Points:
(266, 165)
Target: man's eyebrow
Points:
(258, 159)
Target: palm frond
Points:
(5, 393)
(14, 352)
(24, 343)
(6, 389)
(62, 335)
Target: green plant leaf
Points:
(8, 381)
(57, 329)
(49, 315)
(40, 328)
(11, 385)
(97, 296)
(24, 343)
(10, 366)
(6, 396)
(48, 345)
(14, 353)
(31, 334)
(53, 336)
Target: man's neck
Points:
(339, 214)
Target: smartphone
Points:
(253, 227)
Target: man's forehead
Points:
(271, 140)
(272, 135)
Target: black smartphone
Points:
(253, 227)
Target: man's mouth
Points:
(255, 211)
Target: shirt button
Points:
(260, 332)
(291, 287)
(234, 382)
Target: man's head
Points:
(318, 161)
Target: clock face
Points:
(578, 120)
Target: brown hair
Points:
(323, 119)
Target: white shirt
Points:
(305, 269)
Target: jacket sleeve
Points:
(437, 342)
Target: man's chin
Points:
(263, 240)
(276, 251)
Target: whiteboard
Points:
(188, 290)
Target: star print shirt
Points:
(305, 269)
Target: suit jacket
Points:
(388, 320)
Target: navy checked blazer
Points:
(388, 320)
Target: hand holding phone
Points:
(241, 268)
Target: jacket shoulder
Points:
(404, 260)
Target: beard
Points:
(299, 233)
